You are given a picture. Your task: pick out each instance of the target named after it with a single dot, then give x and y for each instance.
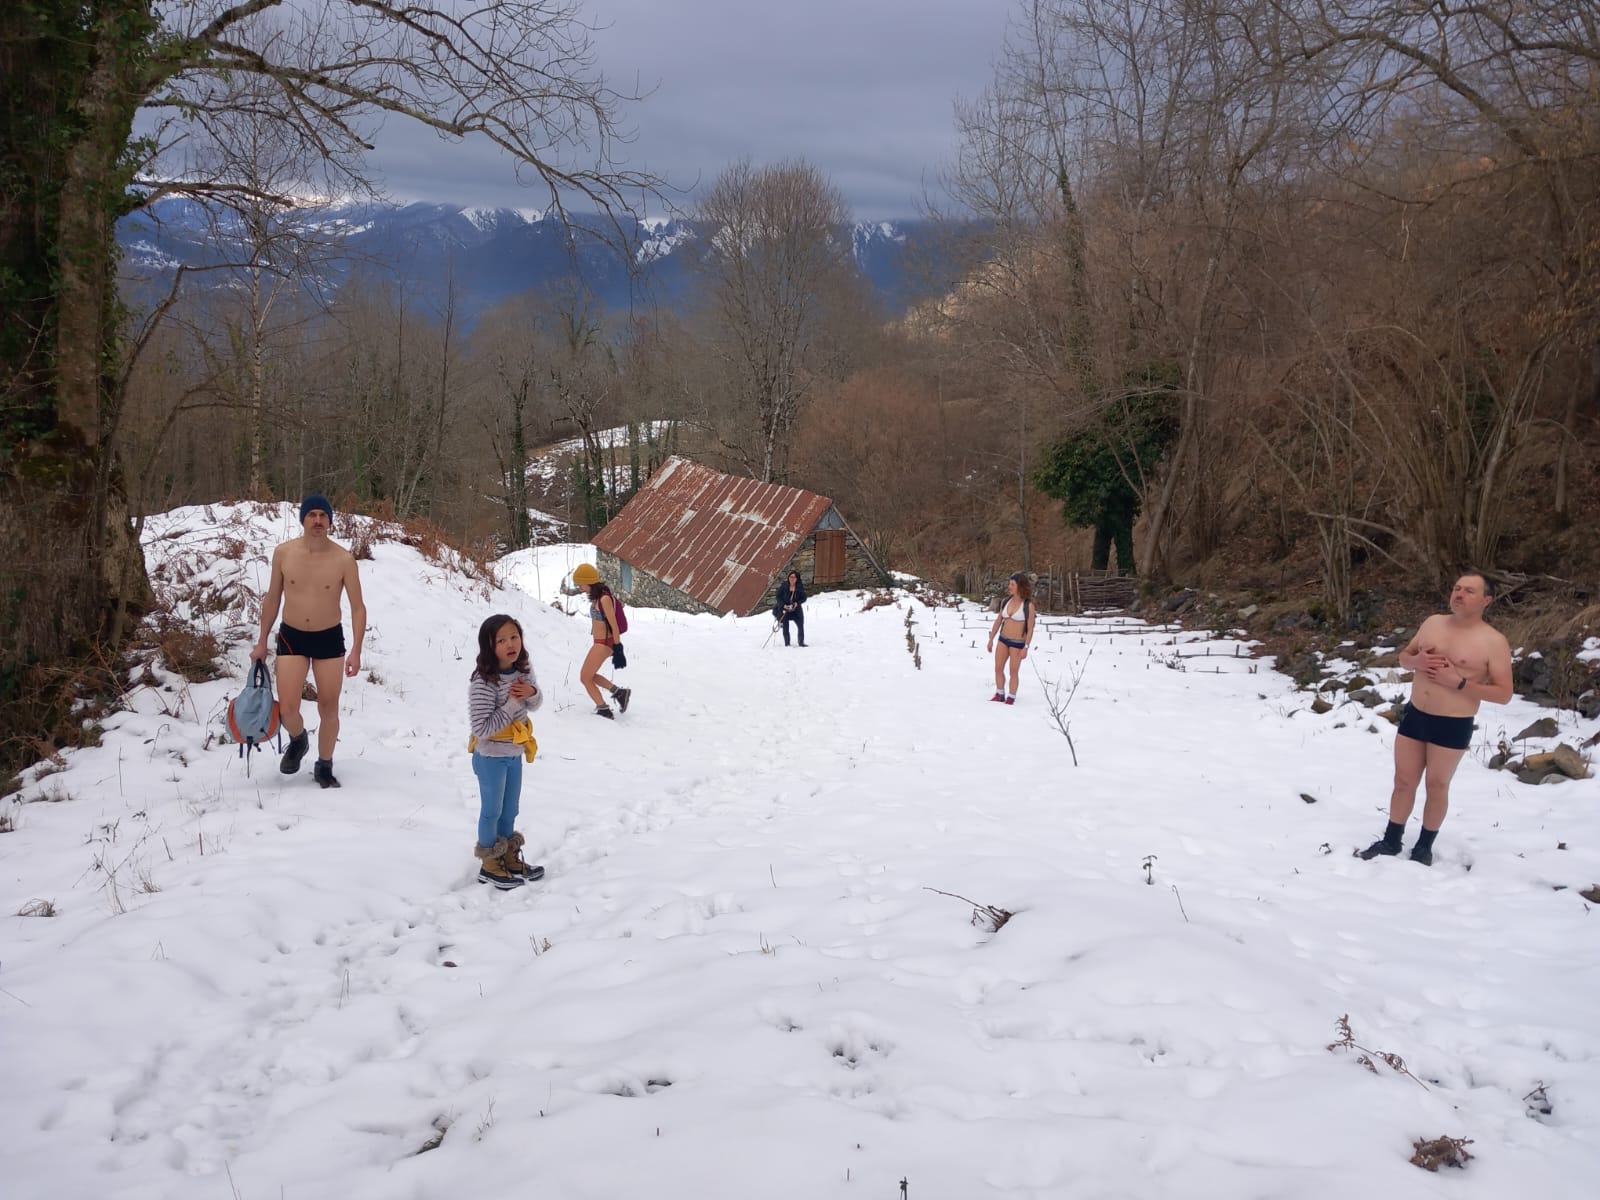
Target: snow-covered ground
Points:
(544, 467)
(740, 976)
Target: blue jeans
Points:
(499, 793)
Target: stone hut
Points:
(696, 540)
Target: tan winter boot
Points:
(515, 863)
(492, 870)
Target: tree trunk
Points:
(521, 537)
(1100, 559)
(88, 402)
(1568, 431)
(74, 571)
(258, 389)
(1333, 534)
(1022, 489)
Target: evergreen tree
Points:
(1098, 472)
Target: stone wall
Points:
(859, 570)
(647, 591)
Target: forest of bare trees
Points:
(1352, 242)
(1275, 293)
(1361, 237)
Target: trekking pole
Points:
(770, 632)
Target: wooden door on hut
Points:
(828, 565)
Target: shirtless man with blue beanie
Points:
(309, 573)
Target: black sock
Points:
(1393, 833)
(1425, 840)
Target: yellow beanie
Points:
(585, 575)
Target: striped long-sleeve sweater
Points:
(490, 709)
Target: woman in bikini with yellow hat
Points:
(603, 628)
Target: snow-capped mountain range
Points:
(489, 253)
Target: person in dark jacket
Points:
(788, 606)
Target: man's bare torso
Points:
(1469, 647)
(312, 582)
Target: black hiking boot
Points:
(289, 764)
(1423, 855)
(1379, 847)
(322, 772)
(604, 710)
(622, 696)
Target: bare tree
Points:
(1112, 155)
(1508, 87)
(774, 255)
(421, 481)
(512, 361)
(269, 259)
(880, 444)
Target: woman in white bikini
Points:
(1014, 627)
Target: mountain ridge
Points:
(490, 254)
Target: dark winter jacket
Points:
(785, 598)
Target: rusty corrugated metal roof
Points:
(719, 538)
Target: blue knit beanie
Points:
(311, 504)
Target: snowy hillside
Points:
(740, 977)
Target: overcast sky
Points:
(863, 89)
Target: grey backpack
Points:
(253, 713)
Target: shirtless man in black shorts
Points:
(308, 574)
(1458, 661)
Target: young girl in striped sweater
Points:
(501, 694)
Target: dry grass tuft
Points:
(195, 654)
(1585, 623)
(37, 908)
(53, 765)
(1536, 628)
(987, 917)
(54, 706)
(1532, 630)
(1364, 1056)
(1442, 1151)
(363, 526)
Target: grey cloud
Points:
(864, 90)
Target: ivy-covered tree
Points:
(109, 105)
(1099, 471)
(589, 486)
